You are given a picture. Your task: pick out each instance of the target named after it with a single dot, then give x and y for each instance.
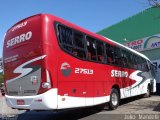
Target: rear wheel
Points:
(114, 99)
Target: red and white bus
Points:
(52, 64)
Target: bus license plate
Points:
(20, 102)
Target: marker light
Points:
(46, 85)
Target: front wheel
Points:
(114, 99)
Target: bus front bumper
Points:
(45, 101)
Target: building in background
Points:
(140, 32)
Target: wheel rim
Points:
(114, 99)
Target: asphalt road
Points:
(130, 109)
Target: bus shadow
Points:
(73, 114)
(131, 99)
(124, 102)
(152, 105)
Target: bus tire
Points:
(114, 99)
(148, 93)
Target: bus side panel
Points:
(71, 90)
(82, 84)
(103, 83)
(69, 94)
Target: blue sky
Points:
(92, 15)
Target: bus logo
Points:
(18, 39)
(118, 73)
(19, 26)
(65, 69)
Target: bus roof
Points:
(129, 49)
(97, 36)
(22, 21)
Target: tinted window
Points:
(100, 51)
(72, 41)
(79, 46)
(91, 48)
(134, 61)
(117, 56)
(78, 40)
(140, 63)
(109, 54)
(127, 59)
(65, 35)
(65, 38)
(130, 60)
(144, 65)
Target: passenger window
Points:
(65, 38)
(79, 48)
(65, 35)
(124, 59)
(91, 48)
(137, 62)
(130, 60)
(127, 59)
(100, 51)
(109, 54)
(117, 56)
(144, 65)
(78, 40)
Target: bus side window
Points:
(78, 45)
(136, 62)
(127, 59)
(140, 64)
(109, 54)
(117, 56)
(91, 48)
(130, 60)
(65, 38)
(144, 65)
(124, 58)
(100, 51)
